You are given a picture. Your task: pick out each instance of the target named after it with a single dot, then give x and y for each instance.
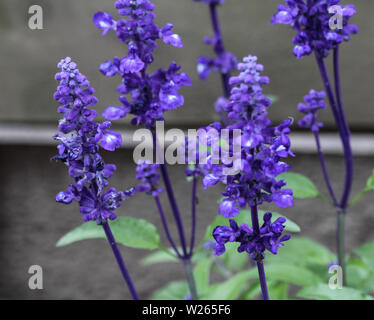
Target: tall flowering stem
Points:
(224, 62)
(312, 21)
(78, 149)
(147, 96)
(219, 47)
(252, 179)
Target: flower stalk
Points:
(311, 21)
(259, 262)
(152, 94)
(344, 134)
(219, 47)
(120, 261)
(341, 243)
(190, 278)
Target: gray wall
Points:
(28, 58)
(30, 220)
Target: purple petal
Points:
(131, 64)
(173, 39)
(104, 20)
(210, 180)
(228, 209)
(111, 140)
(282, 17)
(115, 113)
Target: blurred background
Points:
(30, 220)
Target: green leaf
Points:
(253, 291)
(218, 221)
(324, 292)
(370, 182)
(202, 275)
(176, 290)
(131, 232)
(303, 252)
(291, 273)
(366, 252)
(358, 272)
(232, 259)
(278, 290)
(231, 288)
(272, 97)
(369, 186)
(159, 257)
(302, 186)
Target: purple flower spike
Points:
(311, 20)
(262, 146)
(80, 149)
(151, 94)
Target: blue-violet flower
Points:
(262, 146)
(151, 94)
(269, 238)
(314, 101)
(79, 147)
(311, 20)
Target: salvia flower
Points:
(145, 96)
(254, 243)
(311, 20)
(79, 147)
(262, 147)
(313, 102)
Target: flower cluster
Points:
(313, 102)
(151, 94)
(149, 175)
(254, 243)
(224, 63)
(262, 146)
(311, 20)
(79, 147)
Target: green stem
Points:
(340, 241)
(190, 278)
(358, 197)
